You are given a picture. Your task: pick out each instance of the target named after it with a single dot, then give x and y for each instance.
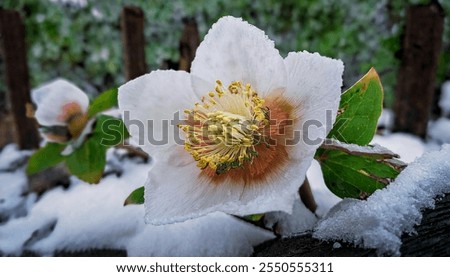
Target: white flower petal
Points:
(177, 190)
(234, 50)
(314, 88)
(51, 97)
(149, 104)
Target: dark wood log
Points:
(14, 53)
(190, 40)
(421, 47)
(133, 40)
(432, 239)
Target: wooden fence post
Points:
(190, 40)
(14, 52)
(417, 74)
(132, 25)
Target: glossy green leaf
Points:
(109, 131)
(106, 100)
(135, 198)
(359, 110)
(47, 156)
(88, 161)
(356, 176)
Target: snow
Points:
(93, 216)
(214, 235)
(374, 149)
(444, 102)
(380, 221)
(300, 221)
(12, 186)
(409, 147)
(11, 157)
(386, 120)
(440, 130)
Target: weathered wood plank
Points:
(190, 40)
(421, 48)
(14, 53)
(133, 40)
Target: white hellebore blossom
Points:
(61, 110)
(250, 124)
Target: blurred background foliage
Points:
(80, 39)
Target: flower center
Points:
(74, 117)
(223, 130)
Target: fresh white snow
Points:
(11, 157)
(386, 120)
(12, 186)
(439, 130)
(301, 220)
(444, 102)
(358, 149)
(409, 147)
(93, 216)
(380, 221)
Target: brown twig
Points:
(133, 152)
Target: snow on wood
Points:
(380, 221)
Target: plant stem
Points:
(307, 197)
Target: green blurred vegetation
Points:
(81, 42)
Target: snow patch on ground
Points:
(380, 221)
(444, 102)
(93, 216)
(409, 147)
(301, 220)
(386, 120)
(13, 186)
(11, 157)
(440, 130)
(216, 234)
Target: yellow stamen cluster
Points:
(222, 130)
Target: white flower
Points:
(61, 109)
(242, 104)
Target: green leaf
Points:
(47, 156)
(109, 131)
(356, 176)
(359, 110)
(106, 100)
(88, 161)
(135, 198)
(254, 217)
